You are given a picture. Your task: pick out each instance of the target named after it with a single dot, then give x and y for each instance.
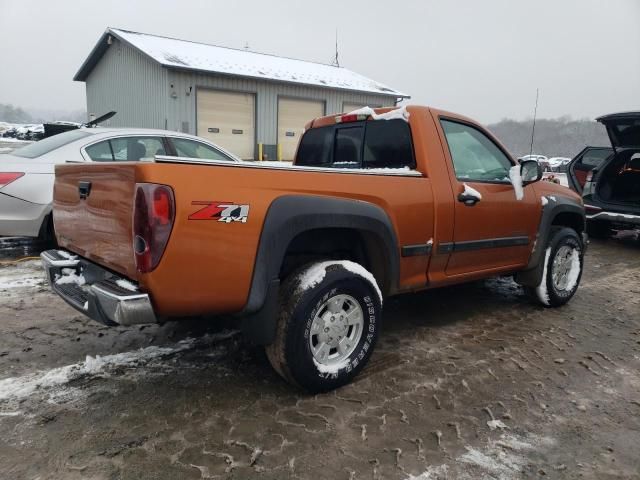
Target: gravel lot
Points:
(467, 382)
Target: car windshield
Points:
(47, 145)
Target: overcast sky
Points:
(483, 58)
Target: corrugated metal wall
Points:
(147, 95)
(183, 107)
(128, 82)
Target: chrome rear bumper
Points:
(94, 291)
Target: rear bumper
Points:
(19, 218)
(94, 291)
(614, 217)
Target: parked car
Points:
(558, 164)
(27, 174)
(377, 203)
(609, 179)
(541, 159)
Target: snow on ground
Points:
(22, 275)
(54, 383)
(503, 459)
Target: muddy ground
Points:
(467, 382)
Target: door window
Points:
(100, 152)
(475, 156)
(192, 149)
(133, 149)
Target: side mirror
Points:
(530, 171)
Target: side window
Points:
(347, 147)
(192, 149)
(128, 149)
(594, 158)
(474, 155)
(100, 152)
(387, 144)
(315, 147)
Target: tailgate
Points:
(93, 211)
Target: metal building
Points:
(250, 103)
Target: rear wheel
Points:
(598, 229)
(562, 271)
(328, 325)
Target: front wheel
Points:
(562, 270)
(328, 325)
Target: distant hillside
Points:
(11, 114)
(561, 137)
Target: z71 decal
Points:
(221, 211)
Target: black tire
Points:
(547, 293)
(598, 229)
(291, 355)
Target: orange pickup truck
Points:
(377, 203)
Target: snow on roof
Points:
(183, 54)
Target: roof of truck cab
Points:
(187, 55)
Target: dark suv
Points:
(609, 179)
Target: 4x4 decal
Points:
(221, 211)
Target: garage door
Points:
(228, 119)
(293, 115)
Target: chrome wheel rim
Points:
(336, 330)
(561, 268)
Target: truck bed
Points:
(207, 251)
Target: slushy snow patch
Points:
(51, 382)
(472, 192)
(25, 386)
(397, 113)
(69, 275)
(493, 424)
(126, 284)
(516, 181)
(316, 273)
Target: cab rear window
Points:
(366, 144)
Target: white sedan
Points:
(28, 173)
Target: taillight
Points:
(8, 177)
(153, 216)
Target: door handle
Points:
(84, 189)
(468, 200)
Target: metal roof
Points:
(185, 55)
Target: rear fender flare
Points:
(291, 215)
(287, 217)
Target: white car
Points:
(557, 164)
(541, 159)
(27, 174)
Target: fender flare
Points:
(287, 217)
(532, 274)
